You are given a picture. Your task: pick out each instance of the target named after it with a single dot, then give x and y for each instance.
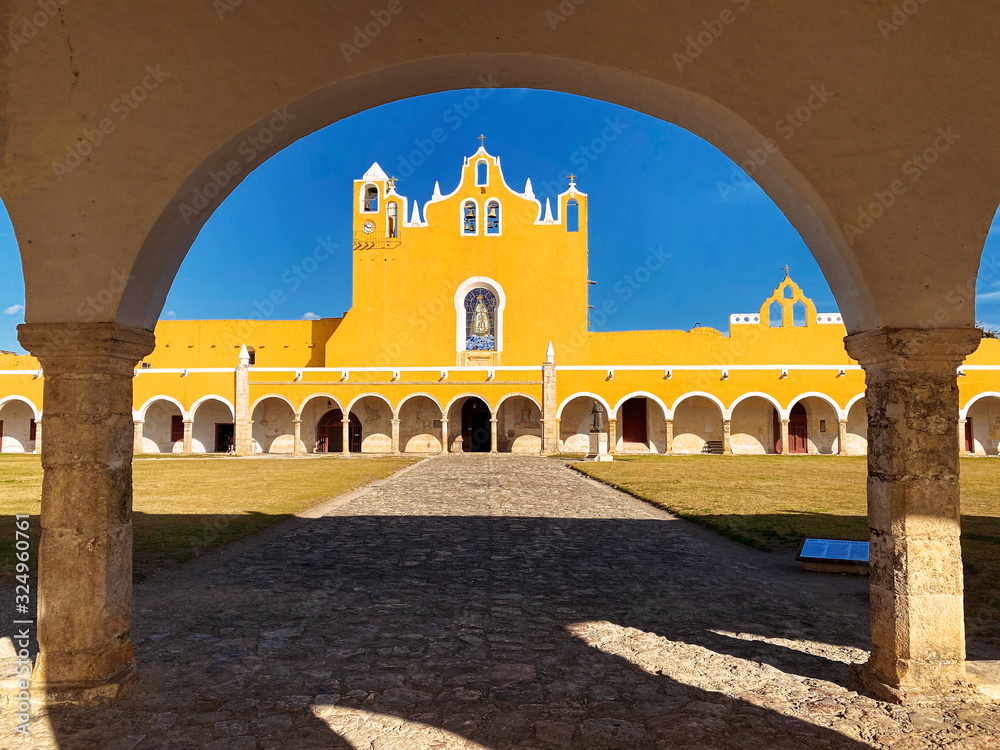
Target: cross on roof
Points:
(571, 178)
(482, 138)
(786, 269)
(392, 182)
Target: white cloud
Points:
(311, 316)
(988, 297)
(171, 314)
(14, 310)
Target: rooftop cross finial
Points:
(572, 179)
(482, 138)
(786, 269)
(392, 182)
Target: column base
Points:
(90, 693)
(952, 685)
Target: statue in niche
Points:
(598, 412)
(481, 318)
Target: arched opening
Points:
(519, 425)
(857, 429)
(369, 199)
(473, 421)
(470, 218)
(482, 173)
(420, 425)
(375, 415)
(774, 314)
(330, 433)
(798, 429)
(982, 427)
(572, 215)
(213, 428)
(162, 427)
(697, 426)
(576, 419)
(641, 424)
(798, 313)
(752, 427)
(18, 427)
(273, 426)
(392, 219)
(813, 427)
(493, 218)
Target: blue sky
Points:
(651, 185)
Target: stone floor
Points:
(501, 602)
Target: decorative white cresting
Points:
(827, 319)
(744, 319)
(548, 213)
(528, 190)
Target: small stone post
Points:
(297, 429)
(784, 437)
(727, 427)
(668, 447)
(444, 435)
(493, 435)
(917, 619)
(85, 554)
(346, 435)
(962, 447)
(188, 430)
(612, 435)
(38, 436)
(550, 425)
(137, 436)
(395, 435)
(243, 427)
(842, 438)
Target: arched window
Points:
(788, 292)
(572, 216)
(799, 314)
(493, 217)
(369, 200)
(469, 218)
(774, 315)
(480, 320)
(392, 213)
(482, 174)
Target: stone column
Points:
(557, 445)
(550, 425)
(188, 429)
(137, 436)
(243, 427)
(85, 554)
(346, 433)
(784, 437)
(842, 438)
(395, 435)
(493, 435)
(727, 428)
(612, 435)
(444, 435)
(297, 429)
(668, 448)
(38, 436)
(917, 619)
(961, 439)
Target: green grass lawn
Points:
(773, 502)
(187, 507)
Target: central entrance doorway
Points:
(475, 426)
(330, 433)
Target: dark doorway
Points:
(225, 436)
(475, 426)
(970, 445)
(330, 433)
(798, 430)
(634, 419)
(177, 429)
(776, 430)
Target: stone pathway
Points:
(501, 602)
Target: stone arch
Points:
(273, 428)
(417, 394)
(823, 416)
(752, 424)
(419, 416)
(821, 396)
(18, 420)
(170, 399)
(212, 424)
(464, 396)
(370, 394)
(375, 413)
(161, 432)
(576, 419)
(581, 394)
(964, 411)
(697, 419)
(656, 412)
(857, 426)
(519, 424)
(457, 434)
(312, 396)
(982, 424)
(278, 396)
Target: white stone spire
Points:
(548, 213)
(245, 355)
(415, 218)
(437, 190)
(550, 353)
(528, 190)
(375, 172)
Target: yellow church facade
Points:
(449, 347)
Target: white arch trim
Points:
(964, 412)
(458, 398)
(517, 394)
(851, 403)
(642, 394)
(11, 399)
(145, 407)
(841, 414)
(418, 395)
(356, 399)
(584, 394)
(782, 414)
(714, 399)
(220, 399)
(330, 396)
(463, 289)
(262, 399)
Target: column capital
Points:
(92, 348)
(913, 348)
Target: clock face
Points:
(368, 227)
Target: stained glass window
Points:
(480, 320)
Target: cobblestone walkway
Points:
(501, 602)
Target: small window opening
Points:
(788, 292)
(469, 218)
(371, 199)
(147, 365)
(774, 315)
(253, 355)
(482, 174)
(822, 425)
(798, 314)
(392, 210)
(572, 216)
(33, 430)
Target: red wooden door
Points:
(970, 446)
(634, 417)
(798, 432)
